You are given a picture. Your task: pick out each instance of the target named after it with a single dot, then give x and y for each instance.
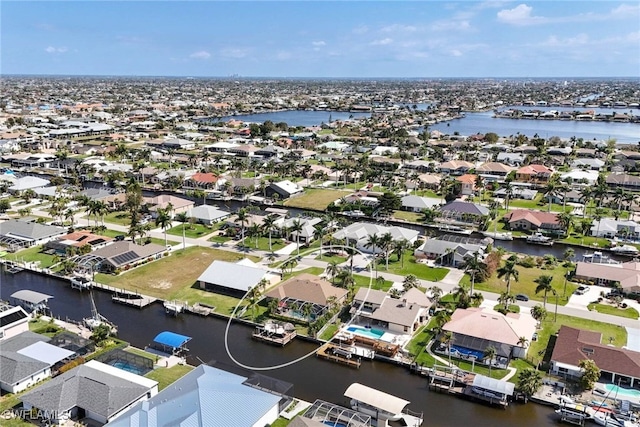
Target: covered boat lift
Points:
(492, 390)
(32, 300)
(381, 406)
(171, 343)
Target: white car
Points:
(582, 290)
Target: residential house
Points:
(610, 228)
(477, 328)
(559, 151)
(235, 279)
(468, 184)
(511, 159)
(284, 189)
(76, 240)
(449, 252)
(623, 180)
(127, 254)
(306, 234)
(587, 164)
(455, 167)
(27, 183)
(493, 171)
(13, 321)
(26, 359)
(16, 233)
(414, 203)
(93, 391)
(210, 396)
(576, 175)
(429, 181)
(464, 212)
(379, 309)
(535, 174)
(357, 234)
(208, 215)
(516, 193)
(202, 181)
(178, 144)
(617, 365)
(627, 275)
(163, 201)
(522, 219)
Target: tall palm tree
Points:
(296, 227)
(474, 267)
(163, 220)
(268, 225)
(243, 215)
(447, 339)
(386, 240)
(373, 242)
(183, 218)
(399, 248)
(490, 353)
(254, 231)
(333, 270)
(318, 233)
(544, 285)
(509, 271)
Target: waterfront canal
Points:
(312, 378)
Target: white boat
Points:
(454, 229)
(609, 419)
(506, 235)
(539, 239)
(381, 406)
(81, 283)
(625, 250)
(583, 411)
(173, 307)
(97, 319)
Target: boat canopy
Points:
(171, 339)
(498, 386)
(376, 398)
(31, 297)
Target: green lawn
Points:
(140, 352)
(331, 258)
(191, 230)
(167, 376)
(578, 239)
(315, 198)
(512, 308)
(421, 271)
(42, 327)
(379, 284)
(407, 216)
(118, 217)
(539, 203)
(219, 239)
(549, 327)
(630, 312)
(33, 254)
(263, 243)
(316, 271)
(526, 284)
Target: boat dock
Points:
(139, 301)
(338, 354)
(274, 333)
(572, 415)
(12, 267)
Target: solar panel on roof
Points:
(125, 257)
(13, 317)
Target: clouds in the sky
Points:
(54, 50)
(201, 54)
(382, 42)
(523, 15)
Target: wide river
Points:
(482, 122)
(312, 378)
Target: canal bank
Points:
(313, 378)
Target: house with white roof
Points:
(235, 279)
(577, 175)
(358, 234)
(610, 228)
(27, 183)
(448, 252)
(209, 396)
(208, 215)
(415, 203)
(284, 189)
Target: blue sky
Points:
(322, 39)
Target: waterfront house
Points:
(13, 321)
(448, 252)
(414, 203)
(623, 180)
(126, 254)
(464, 212)
(306, 290)
(477, 328)
(357, 234)
(511, 159)
(27, 183)
(163, 201)
(93, 391)
(208, 215)
(234, 279)
(76, 240)
(516, 193)
(610, 228)
(210, 396)
(467, 184)
(587, 164)
(378, 308)
(617, 365)
(626, 275)
(535, 174)
(493, 171)
(527, 220)
(283, 189)
(202, 181)
(26, 359)
(455, 167)
(16, 234)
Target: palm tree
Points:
(386, 240)
(268, 225)
(523, 342)
(474, 267)
(333, 270)
(318, 233)
(538, 312)
(551, 191)
(255, 231)
(410, 281)
(243, 214)
(399, 248)
(544, 285)
(373, 241)
(183, 218)
(462, 297)
(567, 257)
(490, 353)
(447, 339)
(508, 271)
(436, 293)
(163, 220)
(565, 220)
(529, 381)
(296, 227)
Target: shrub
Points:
(527, 262)
(70, 365)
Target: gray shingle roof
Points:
(29, 230)
(22, 340)
(88, 388)
(15, 367)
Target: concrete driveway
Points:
(582, 301)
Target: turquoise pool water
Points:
(369, 333)
(621, 391)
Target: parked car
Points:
(582, 290)
(522, 297)
(534, 337)
(119, 237)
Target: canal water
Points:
(312, 378)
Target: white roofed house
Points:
(358, 234)
(448, 252)
(28, 183)
(283, 189)
(235, 279)
(208, 215)
(418, 204)
(403, 315)
(306, 234)
(163, 201)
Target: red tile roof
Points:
(204, 177)
(534, 169)
(536, 218)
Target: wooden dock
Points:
(201, 309)
(139, 301)
(261, 334)
(338, 354)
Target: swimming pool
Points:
(467, 352)
(376, 334)
(613, 389)
(125, 366)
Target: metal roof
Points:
(232, 275)
(45, 352)
(29, 296)
(171, 339)
(376, 398)
(491, 384)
